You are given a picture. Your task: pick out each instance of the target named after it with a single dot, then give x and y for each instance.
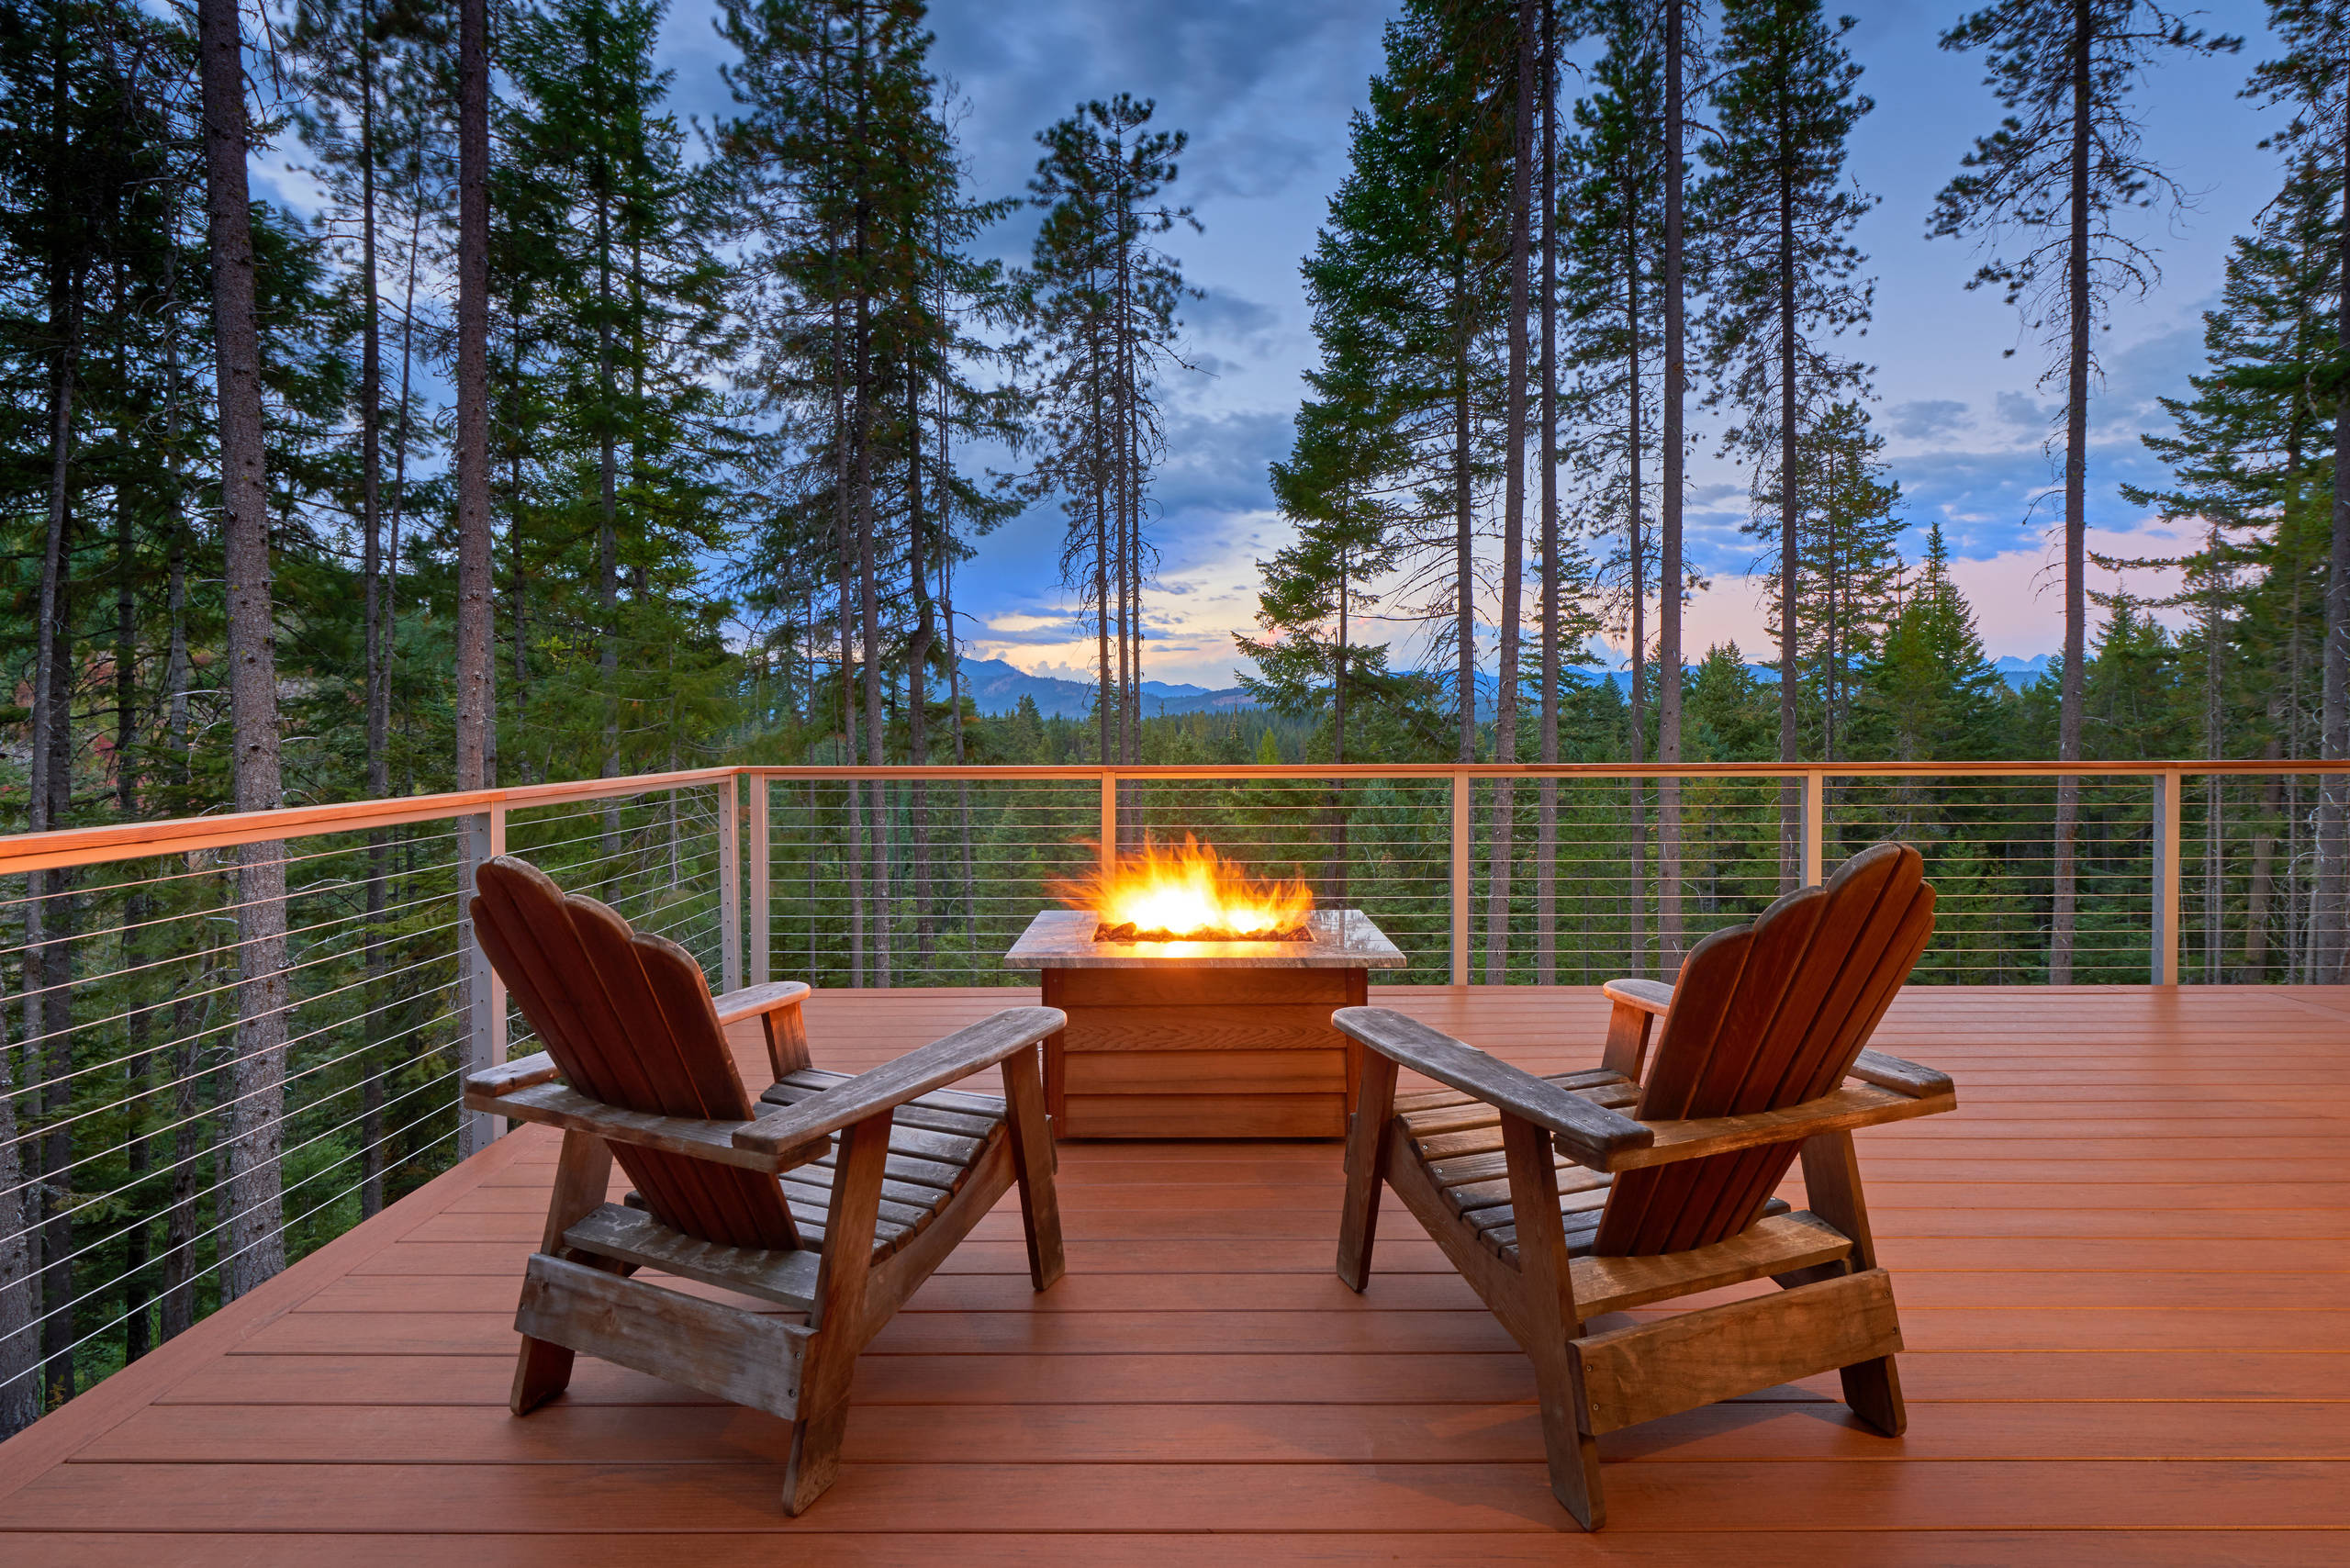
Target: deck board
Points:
(2123, 1267)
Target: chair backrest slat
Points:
(1764, 1017)
(628, 1018)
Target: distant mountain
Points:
(997, 688)
(2021, 673)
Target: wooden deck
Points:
(2121, 1267)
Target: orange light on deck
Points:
(1191, 894)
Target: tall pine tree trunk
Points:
(474, 697)
(377, 649)
(917, 679)
(1635, 553)
(1669, 572)
(1465, 563)
(2077, 435)
(257, 1078)
(1504, 818)
(1791, 825)
(2331, 940)
(1546, 840)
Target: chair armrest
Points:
(1891, 1091)
(522, 1072)
(894, 1083)
(1653, 997)
(554, 1106)
(1588, 1133)
(1901, 1077)
(754, 1000)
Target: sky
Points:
(1265, 90)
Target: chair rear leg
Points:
(542, 1370)
(1367, 1152)
(1873, 1390)
(1031, 1133)
(1831, 1183)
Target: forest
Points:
(556, 437)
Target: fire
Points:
(1191, 894)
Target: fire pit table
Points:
(1170, 1039)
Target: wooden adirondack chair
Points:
(1761, 1034)
(751, 1197)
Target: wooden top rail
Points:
(180, 835)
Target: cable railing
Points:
(2109, 873)
(165, 1144)
(168, 1135)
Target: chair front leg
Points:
(837, 1319)
(1552, 1320)
(1367, 1152)
(583, 1174)
(1031, 1132)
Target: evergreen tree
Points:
(1779, 217)
(1102, 301)
(2063, 163)
(1930, 692)
(2313, 77)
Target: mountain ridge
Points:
(996, 688)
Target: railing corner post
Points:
(761, 807)
(481, 835)
(729, 883)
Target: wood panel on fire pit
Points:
(1179, 1052)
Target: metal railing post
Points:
(1462, 825)
(762, 805)
(481, 835)
(730, 884)
(2170, 800)
(1815, 828)
(1109, 821)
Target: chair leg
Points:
(1574, 1451)
(815, 1458)
(1873, 1390)
(542, 1370)
(583, 1173)
(838, 1316)
(1367, 1138)
(1552, 1319)
(1831, 1183)
(1032, 1154)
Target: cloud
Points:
(1012, 623)
(2017, 410)
(1928, 419)
(1223, 314)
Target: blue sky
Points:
(1265, 89)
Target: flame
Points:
(1190, 894)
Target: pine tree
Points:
(2063, 165)
(2313, 78)
(1927, 687)
(1104, 300)
(1612, 283)
(1779, 214)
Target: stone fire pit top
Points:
(1343, 939)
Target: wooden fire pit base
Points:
(1200, 1053)
(1200, 1039)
